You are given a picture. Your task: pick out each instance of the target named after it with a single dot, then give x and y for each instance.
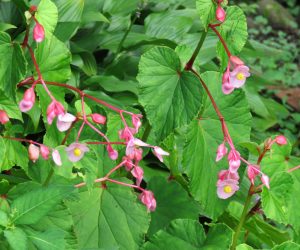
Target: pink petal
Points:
(265, 180)
(56, 157)
(3, 117)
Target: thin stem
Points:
(190, 63)
(21, 140)
(126, 34)
(126, 184)
(213, 27)
(293, 169)
(106, 143)
(69, 132)
(114, 169)
(242, 220)
(80, 130)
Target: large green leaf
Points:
(171, 97)
(287, 246)
(204, 136)
(13, 68)
(234, 32)
(189, 234)
(111, 217)
(170, 206)
(16, 238)
(33, 205)
(69, 17)
(207, 11)
(47, 15)
(53, 58)
(11, 108)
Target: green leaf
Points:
(170, 206)
(13, 68)
(3, 218)
(53, 58)
(11, 108)
(204, 136)
(6, 26)
(234, 32)
(207, 11)
(47, 15)
(180, 91)
(287, 246)
(189, 234)
(109, 217)
(120, 6)
(51, 239)
(33, 205)
(16, 238)
(69, 17)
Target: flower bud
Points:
(3, 117)
(97, 118)
(44, 152)
(113, 154)
(220, 14)
(38, 33)
(265, 180)
(33, 152)
(28, 100)
(281, 140)
(147, 198)
(56, 157)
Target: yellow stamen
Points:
(227, 189)
(240, 76)
(77, 152)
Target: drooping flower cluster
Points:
(235, 78)
(228, 180)
(34, 151)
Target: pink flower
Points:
(112, 153)
(56, 157)
(54, 109)
(252, 171)
(136, 122)
(138, 154)
(128, 163)
(221, 152)
(131, 145)
(138, 173)
(126, 133)
(227, 188)
(159, 153)
(227, 87)
(220, 14)
(33, 152)
(238, 76)
(147, 198)
(234, 160)
(64, 121)
(281, 140)
(265, 180)
(226, 174)
(97, 118)
(28, 100)
(3, 117)
(44, 152)
(38, 33)
(76, 151)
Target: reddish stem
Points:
(213, 27)
(106, 143)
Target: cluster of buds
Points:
(220, 12)
(34, 152)
(228, 180)
(235, 78)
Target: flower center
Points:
(240, 76)
(77, 152)
(227, 189)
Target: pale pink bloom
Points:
(236, 61)
(64, 121)
(220, 14)
(221, 152)
(147, 198)
(3, 117)
(97, 118)
(159, 153)
(238, 76)
(265, 180)
(131, 145)
(76, 151)
(128, 163)
(234, 160)
(140, 143)
(56, 157)
(138, 173)
(252, 172)
(138, 154)
(227, 188)
(54, 109)
(112, 153)
(281, 140)
(227, 87)
(28, 100)
(226, 175)
(38, 33)
(126, 133)
(45, 152)
(33, 152)
(136, 122)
